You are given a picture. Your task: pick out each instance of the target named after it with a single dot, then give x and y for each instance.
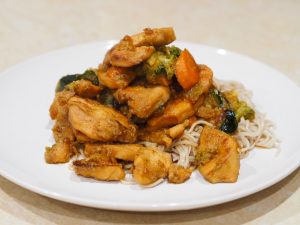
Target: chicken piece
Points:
(217, 156)
(125, 54)
(125, 152)
(100, 122)
(115, 77)
(163, 136)
(59, 104)
(151, 165)
(178, 130)
(160, 137)
(154, 37)
(60, 152)
(82, 138)
(100, 168)
(143, 101)
(175, 112)
(178, 174)
(62, 129)
(85, 88)
(202, 87)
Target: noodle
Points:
(250, 134)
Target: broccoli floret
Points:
(89, 75)
(244, 111)
(174, 51)
(162, 62)
(66, 80)
(240, 108)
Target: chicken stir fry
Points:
(128, 115)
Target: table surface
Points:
(266, 30)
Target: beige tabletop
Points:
(266, 30)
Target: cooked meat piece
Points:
(158, 80)
(205, 82)
(217, 156)
(160, 137)
(163, 136)
(59, 104)
(82, 138)
(150, 165)
(178, 174)
(175, 112)
(115, 77)
(154, 37)
(100, 122)
(143, 101)
(126, 58)
(99, 168)
(85, 88)
(125, 54)
(62, 129)
(60, 152)
(178, 130)
(125, 152)
(207, 112)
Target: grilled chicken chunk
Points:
(178, 130)
(154, 37)
(175, 112)
(178, 174)
(60, 152)
(133, 50)
(150, 165)
(143, 101)
(163, 136)
(99, 168)
(99, 122)
(115, 77)
(59, 106)
(62, 130)
(160, 137)
(125, 152)
(85, 88)
(217, 156)
(125, 54)
(202, 87)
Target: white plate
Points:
(27, 90)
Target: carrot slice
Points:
(187, 71)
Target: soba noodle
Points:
(250, 134)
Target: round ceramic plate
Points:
(27, 90)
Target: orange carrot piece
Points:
(186, 70)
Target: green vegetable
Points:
(219, 98)
(245, 111)
(240, 108)
(106, 98)
(228, 121)
(162, 62)
(87, 75)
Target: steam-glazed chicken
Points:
(99, 122)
